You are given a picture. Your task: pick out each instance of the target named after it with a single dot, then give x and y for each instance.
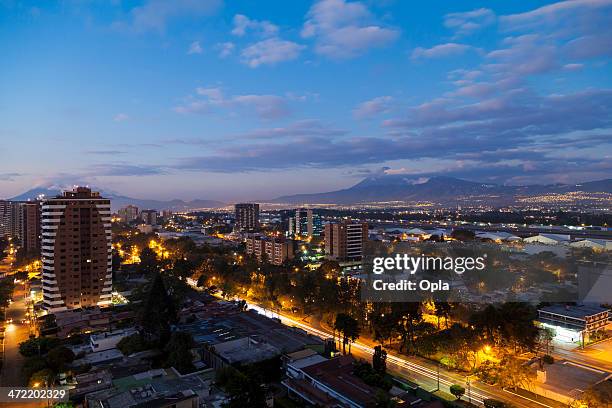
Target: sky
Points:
(250, 100)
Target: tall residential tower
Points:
(76, 250)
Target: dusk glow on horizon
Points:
(254, 100)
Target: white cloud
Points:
(263, 106)
(242, 24)
(344, 29)
(195, 48)
(441, 50)
(155, 14)
(121, 117)
(270, 51)
(373, 107)
(467, 22)
(225, 49)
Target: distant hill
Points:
(118, 201)
(435, 189)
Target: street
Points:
(16, 333)
(421, 371)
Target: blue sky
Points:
(255, 99)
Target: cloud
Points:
(573, 67)
(211, 99)
(301, 128)
(9, 176)
(105, 152)
(121, 117)
(466, 23)
(441, 51)
(154, 15)
(225, 49)
(242, 24)
(580, 27)
(373, 107)
(497, 136)
(195, 48)
(121, 169)
(343, 29)
(270, 52)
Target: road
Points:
(16, 333)
(421, 371)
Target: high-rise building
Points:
(128, 213)
(149, 217)
(306, 223)
(275, 250)
(247, 217)
(31, 233)
(344, 241)
(76, 250)
(20, 220)
(5, 218)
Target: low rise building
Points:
(574, 323)
(275, 250)
(548, 239)
(108, 340)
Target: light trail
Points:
(424, 371)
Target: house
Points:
(330, 383)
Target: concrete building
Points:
(31, 232)
(330, 383)
(76, 250)
(276, 250)
(594, 244)
(108, 340)
(548, 239)
(242, 351)
(345, 241)
(149, 217)
(574, 323)
(306, 223)
(128, 213)
(247, 217)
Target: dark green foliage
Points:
(157, 313)
(243, 390)
(379, 360)
(132, 344)
(457, 390)
(179, 354)
(369, 376)
(59, 358)
(38, 346)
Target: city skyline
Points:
(236, 101)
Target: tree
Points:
(42, 378)
(457, 391)
(32, 365)
(379, 360)
(157, 313)
(179, 354)
(148, 261)
(183, 268)
(515, 374)
(132, 344)
(38, 346)
(59, 357)
(463, 235)
(243, 391)
(349, 328)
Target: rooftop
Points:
(578, 312)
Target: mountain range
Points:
(442, 190)
(118, 201)
(380, 188)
